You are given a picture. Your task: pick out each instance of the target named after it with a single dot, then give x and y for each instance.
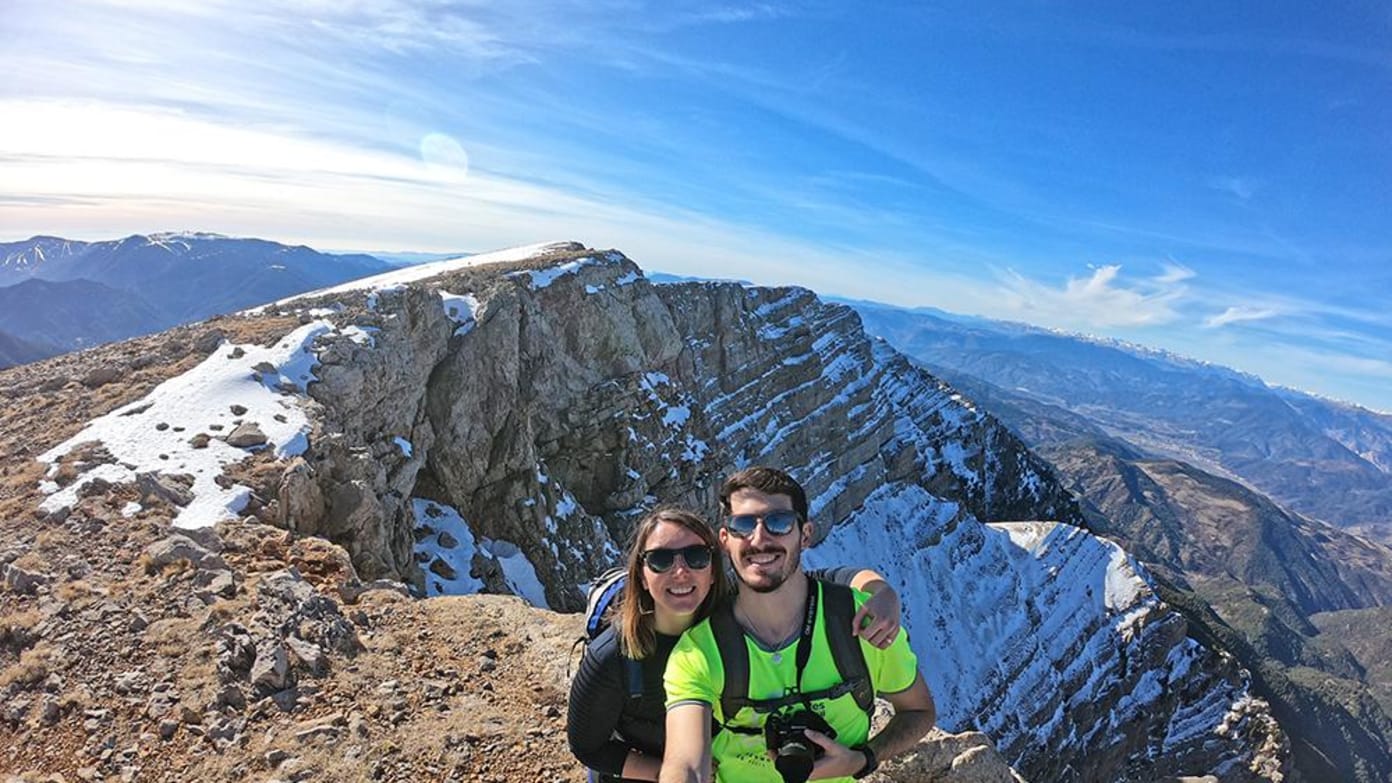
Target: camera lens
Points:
(794, 762)
(793, 753)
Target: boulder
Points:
(270, 671)
(101, 376)
(19, 580)
(215, 583)
(247, 435)
(180, 547)
(173, 490)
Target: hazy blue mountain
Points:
(1320, 458)
(163, 280)
(14, 350)
(75, 314)
(188, 276)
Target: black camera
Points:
(793, 751)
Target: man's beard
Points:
(792, 561)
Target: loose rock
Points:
(246, 435)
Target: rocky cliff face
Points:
(497, 424)
(560, 405)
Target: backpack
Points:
(599, 614)
(837, 613)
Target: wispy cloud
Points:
(1174, 273)
(159, 170)
(1244, 188)
(1233, 42)
(1238, 314)
(1099, 300)
(738, 13)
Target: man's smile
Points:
(766, 557)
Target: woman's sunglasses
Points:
(777, 523)
(696, 556)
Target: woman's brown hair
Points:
(634, 623)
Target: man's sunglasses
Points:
(696, 556)
(777, 523)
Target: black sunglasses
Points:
(696, 556)
(777, 523)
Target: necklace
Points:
(768, 638)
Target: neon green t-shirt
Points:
(695, 674)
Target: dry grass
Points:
(147, 565)
(19, 493)
(32, 561)
(53, 538)
(262, 331)
(170, 637)
(16, 628)
(79, 593)
(172, 569)
(31, 668)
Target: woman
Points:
(674, 577)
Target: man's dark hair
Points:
(770, 481)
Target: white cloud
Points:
(1175, 273)
(1238, 314)
(153, 169)
(735, 14)
(1101, 300)
(1244, 188)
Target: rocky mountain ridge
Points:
(543, 398)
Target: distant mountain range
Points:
(1178, 461)
(65, 295)
(1324, 459)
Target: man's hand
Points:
(878, 619)
(838, 760)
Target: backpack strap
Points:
(838, 609)
(734, 659)
(602, 594)
(633, 676)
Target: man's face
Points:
(764, 561)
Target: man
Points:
(764, 530)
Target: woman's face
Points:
(677, 592)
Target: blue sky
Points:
(1215, 179)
